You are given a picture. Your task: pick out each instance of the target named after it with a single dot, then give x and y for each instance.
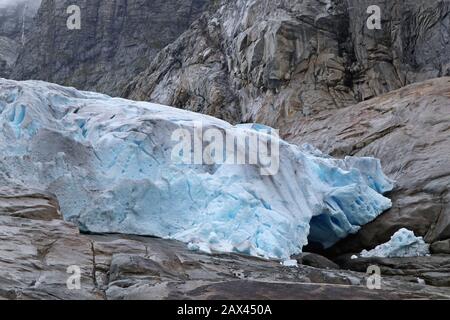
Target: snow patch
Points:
(290, 263)
(402, 244)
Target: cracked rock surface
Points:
(37, 249)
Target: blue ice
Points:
(109, 162)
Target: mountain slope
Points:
(275, 62)
(117, 40)
(16, 22)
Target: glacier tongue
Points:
(109, 162)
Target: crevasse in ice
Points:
(402, 244)
(110, 163)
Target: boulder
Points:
(442, 247)
(316, 261)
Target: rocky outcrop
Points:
(408, 130)
(116, 41)
(433, 270)
(275, 62)
(316, 261)
(441, 247)
(40, 254)
(30, 204)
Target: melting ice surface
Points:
(402, 244)
(108, 161)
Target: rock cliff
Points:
(116, 40)
(275, 62)
(16, 23)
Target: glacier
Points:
(402, 244)
(109, 162)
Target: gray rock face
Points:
(16, 18)
(434, 270)
(316, 261)
(441, 247)
(275, 62)
(408, 130)
(16, 22)
(116, 41)
(37, 249)
(8, 55)
(412, 45)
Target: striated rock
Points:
(435, 269)
(30, 204)
(16, 20)
(275, 62)
(408, 130)
(316, 261)
(8, 54)
(35, 256)
(263, 61)
(191, 74)
(166, 270)
(438, 279)
(116, 41)
(441, 247)
(254, 61)
(409, 47)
